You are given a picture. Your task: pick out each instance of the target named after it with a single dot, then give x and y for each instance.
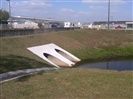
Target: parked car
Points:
(118, 27)
(55, 26)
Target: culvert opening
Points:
(66, 55)
(55, 60)
(46, 55)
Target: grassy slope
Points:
(68, 83)
(82, 43)
(71, 84)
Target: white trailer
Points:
(67, 24)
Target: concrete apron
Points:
(20, 73)
(54, 55)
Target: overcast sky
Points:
(71, 10)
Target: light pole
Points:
(9, 8)
(108, 13)
(9, 4)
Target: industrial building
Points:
(32, 23)
(129, 25)
(112, 25)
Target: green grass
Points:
(85, 44)
(71, 84)
(11, 63)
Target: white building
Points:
(112, 24)
(90, 26)
(87, 25)
(78, 24)
(24, 24)
(129, 25)
(32, 23)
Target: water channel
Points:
(113, 64)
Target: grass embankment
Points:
(85, 44)
(71, 83)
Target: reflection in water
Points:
(110, 65)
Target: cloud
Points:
(66, 10)
(103, 4)
(30, 4)
(96, 7)
(93, 1)
(83, 13)
(103, 1)
(30, 7)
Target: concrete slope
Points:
(20, 73)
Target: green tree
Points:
(40, 25)
(4, 15)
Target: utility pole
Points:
(108, 13)
(9, 8)
(9, 4)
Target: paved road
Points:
(20, 73)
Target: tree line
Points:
(4, 16)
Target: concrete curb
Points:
(20, 73)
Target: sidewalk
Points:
(20, 73)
